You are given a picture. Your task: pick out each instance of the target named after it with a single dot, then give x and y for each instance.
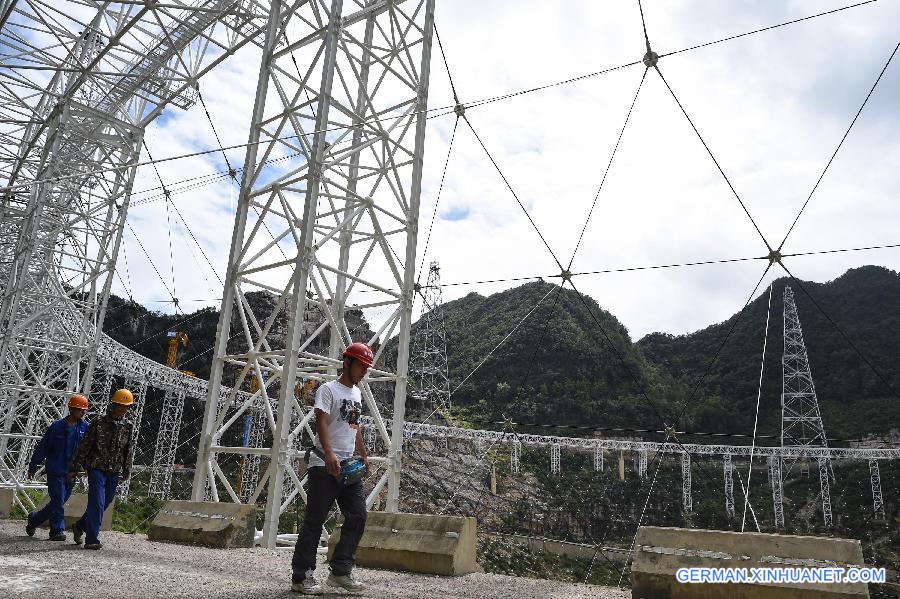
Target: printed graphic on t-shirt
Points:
(350, 413)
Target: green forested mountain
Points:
(572, 363)
(573, 377)
(556, 367)
(864, 304)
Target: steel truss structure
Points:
(686, 497)
(555, 466)
(515, 452)
(341, 97)
(801, 421)
(166, 444)
(79, 83)
(415, 429)
(877, 497)
(776, 480)
(776, 456)
(728, 469)
(428, 373)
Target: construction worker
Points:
(335, 473)
(105, 454)
(56, 449)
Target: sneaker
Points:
(77, 533)
(307, 586)
(94, 546)
(346, 582)
(57, 536)
(30, 528)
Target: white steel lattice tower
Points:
(777, 490)
(555, 466)
(877, 497)
(598, 459)
(728, 468)
(166, 444)
(428, 374)
(801, 421)
(686, 496)
(340, 101)
(515, 451)
(81, 80)
(134, 416)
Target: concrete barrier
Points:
(6, 502)
(222, 525)
(75, 507)
(416, 543)
(660, 552)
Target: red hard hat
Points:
(79, 402)
(360, 351)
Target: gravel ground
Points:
(132, 566)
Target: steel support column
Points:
(342, 101)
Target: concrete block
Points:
(416, 543)
(6, 502)
(75, 507)
(222, 525)
(660, 552)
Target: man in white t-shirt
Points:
(338, 437)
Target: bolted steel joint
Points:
(650, 59)
(460, 110)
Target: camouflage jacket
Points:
(106, 446)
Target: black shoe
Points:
(94, 546)
(77, 533)
(59, 536)
(29, 529)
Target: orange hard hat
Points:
(79, 402)
(123, 397)
(359, 351)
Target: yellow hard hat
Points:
(123, 397)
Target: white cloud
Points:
(772, 107)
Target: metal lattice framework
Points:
(80, 81)
(777, 481)
(687, 498)
(555, 466)
(134, 416)
(515, 452)
(826, 490)
(321, 226)
(428, 373)
(877, 497)
(728, 469)
(682, 451)
(801, 421)
(166, 444)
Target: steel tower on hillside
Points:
(801, 420)
(428, 372)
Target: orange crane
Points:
(176, 338)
